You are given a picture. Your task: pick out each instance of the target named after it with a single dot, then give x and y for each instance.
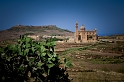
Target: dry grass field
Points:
(96, 62)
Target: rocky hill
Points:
(15, 31)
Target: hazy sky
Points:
(105, 15)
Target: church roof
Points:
(82, 27)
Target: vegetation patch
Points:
(73, 50)
(31, 59)
(97, 59)
(121, 69)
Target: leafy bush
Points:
(56, 39)
(37, 58)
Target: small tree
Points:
(37, 58)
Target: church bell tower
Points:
(76, 33)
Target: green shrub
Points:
(37, 58)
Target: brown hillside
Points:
(15, 31)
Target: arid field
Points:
(94, 62)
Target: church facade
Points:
(85, 36)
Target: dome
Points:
(82, 27)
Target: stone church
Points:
(85, 36)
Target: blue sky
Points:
(107, 16)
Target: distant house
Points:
(120, 37)
(35, 37)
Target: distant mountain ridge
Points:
(40, 28)
(15, 31)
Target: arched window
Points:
(79, 37)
